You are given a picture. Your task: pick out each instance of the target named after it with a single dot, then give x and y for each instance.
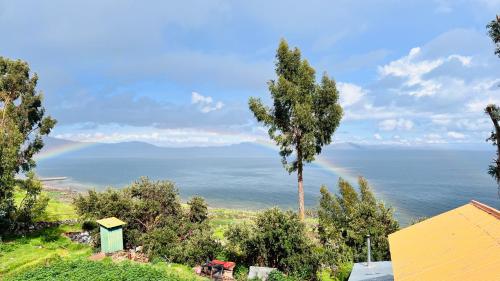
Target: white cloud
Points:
(395, 124)
(205, 103)
(478, 105)
(377, 136)
(464, 60)
(441, 119)
(350, 93)
(456, 135)
(180, 137)
(413, 70)
(433, 139)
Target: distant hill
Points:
(145, 150)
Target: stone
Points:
(259, 272)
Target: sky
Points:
(410, 73)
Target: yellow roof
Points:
(110, 222)
(461, 244)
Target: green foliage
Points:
(198, 209)
(240, 272)
(276, 239)
(493, 112)
(155, 219)
(82, 269)
(304, 115)
(494, 32)
(22, 126)
(277, 275)
(346, 219)
(19, 253)
(33, 205)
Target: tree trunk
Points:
(301, 185)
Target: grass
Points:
(20, 253)
(47, 251)
(83, 269)
(58, 208)
(221, 219)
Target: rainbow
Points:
(320, 162)
(56, 151)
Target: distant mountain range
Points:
(67, 148)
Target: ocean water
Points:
(415, 183)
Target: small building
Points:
(461, 244)
(111, 231)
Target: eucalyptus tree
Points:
(304, 115)
(493, 110)
(494, 32)
(22, 125)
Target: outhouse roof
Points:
(110, 222)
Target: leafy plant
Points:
(23, 123)
(155, 219)
(198, 209)
(82, 269)
(304, 116)
(276, 239)
(346, 219)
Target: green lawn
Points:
(59, 207)
(84, 269)
(221, 219)
(20, 253)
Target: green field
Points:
(22, 257)
(48, 252)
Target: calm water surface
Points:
(415, 183)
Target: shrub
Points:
(346, 219)
(155, 219)
(276, 239)
(198, 210)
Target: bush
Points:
(346, 219)
(277, 239)
(155, 219)
(277, 275)
(198, 209)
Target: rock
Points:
(80, 237)
(259, 272)
(138, 249)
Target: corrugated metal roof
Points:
(110, 222)
(461, 244)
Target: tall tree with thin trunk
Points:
(493, 110)
(304, 115)
(494, 170)
(23, 123)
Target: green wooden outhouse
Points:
(111, 234)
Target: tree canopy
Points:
(346, 219)
(304, 115)
(494, 32)
(23, 123)
(493, 110)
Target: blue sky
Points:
(179, 74)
